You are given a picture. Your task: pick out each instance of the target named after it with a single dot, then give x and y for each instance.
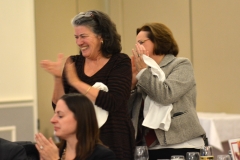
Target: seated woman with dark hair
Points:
(75, 123)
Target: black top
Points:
(11, 151)
(118, 132)
(102, 153)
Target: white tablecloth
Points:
(220, 127)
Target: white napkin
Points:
(155, 114)
(101, 114)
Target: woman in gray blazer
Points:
(177, 90)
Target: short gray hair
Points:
(101, 24)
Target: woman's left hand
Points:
(71, 73)
(138, 53)
(46, 148)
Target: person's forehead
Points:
(83, 28)
(61, 106)
(142, 34)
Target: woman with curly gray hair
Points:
(100, 60)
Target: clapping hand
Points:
(46, 148)
(54, 68)
(71, 73)
(134, 72)
(138, 53)
(137, 62)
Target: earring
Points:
(102, 41)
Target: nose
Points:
(79, 41)
(53, 119)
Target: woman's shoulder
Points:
(124, 55)
(101, 152)
(121, 56)
(183, 62)
(173, 61)
(182, 59)
(102, 148)
(76, 57)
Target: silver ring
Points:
(41, 147)
(138, 55)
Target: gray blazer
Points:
(178, 89)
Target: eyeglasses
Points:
(142, 41)
(86, 14)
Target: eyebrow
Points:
(83, 34)
(59, 112)
(143, 41)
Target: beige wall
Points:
(174, 14)
(18, 99)
(17, 44)
(54, 35)
(216, 58)
(206, 31)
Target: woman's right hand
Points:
(137, 62)
(134, 73)
(54, 68)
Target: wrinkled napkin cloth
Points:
(101, 114)
(156, 115)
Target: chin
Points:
(85, 54)
(56, 133)
(59, 136)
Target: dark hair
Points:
(162, 37)
(87, 131)
(101, 24)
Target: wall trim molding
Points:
(12, 129)
(17, 103)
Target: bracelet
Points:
(133, 91)
(88, 90)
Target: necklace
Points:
(63, 155)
